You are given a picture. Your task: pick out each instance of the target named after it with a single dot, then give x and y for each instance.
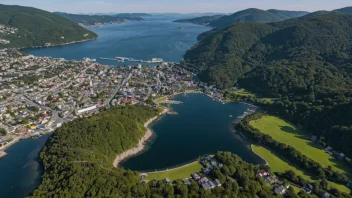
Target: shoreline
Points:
(266, 162)
(62, 44)
(141, 144)
(165, 170)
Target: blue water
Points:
(156, 37)
(202, 126)
(20, 169)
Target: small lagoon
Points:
(201, 126)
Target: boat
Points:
(230, 116)
(181, 28)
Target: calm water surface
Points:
(202, 126)
(20, 169)
(156, 37)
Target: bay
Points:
(155, 37)
(201, 126)
(20, 169)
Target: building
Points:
(217, 183)
(80, 111)
(281, 189)
(167, 181)
(206, 186)
(186, 181)
(262, 173)
(195, 176)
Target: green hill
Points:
(306, 63)
(346, 10)
(37, 27)
(89, 20)
(250, 15)
(203, 20)
(255, 15)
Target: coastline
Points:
(141, 145)
(266, 162)
(161, 171)
(68, 43)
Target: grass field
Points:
(177, 173)
(281, 165)
(286, 133)
(243, 92)
(161, 99)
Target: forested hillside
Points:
(78, 158)
(89, 20)
(306, 63)
(37, 28)
(248, 15)
(255, 15)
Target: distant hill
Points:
(91, 20)
(37, 28)
(248, 15)
(203, 20)
(346, 10)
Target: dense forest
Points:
(37, 27)
(255, 15)
(305, 63)
(88, 20)
(248, 15)
(78, 158)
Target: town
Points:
(39, 94)
(4, 31)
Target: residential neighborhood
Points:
(39, 94)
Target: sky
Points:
(176, 6)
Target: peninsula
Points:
(141, 144)
(17, 23)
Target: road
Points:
(118, 87)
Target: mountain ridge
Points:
(247, 15)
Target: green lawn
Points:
(286, 133)
(161, 99)
(276, 164)
(243, 92)
(178, 173)
(281, 165)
